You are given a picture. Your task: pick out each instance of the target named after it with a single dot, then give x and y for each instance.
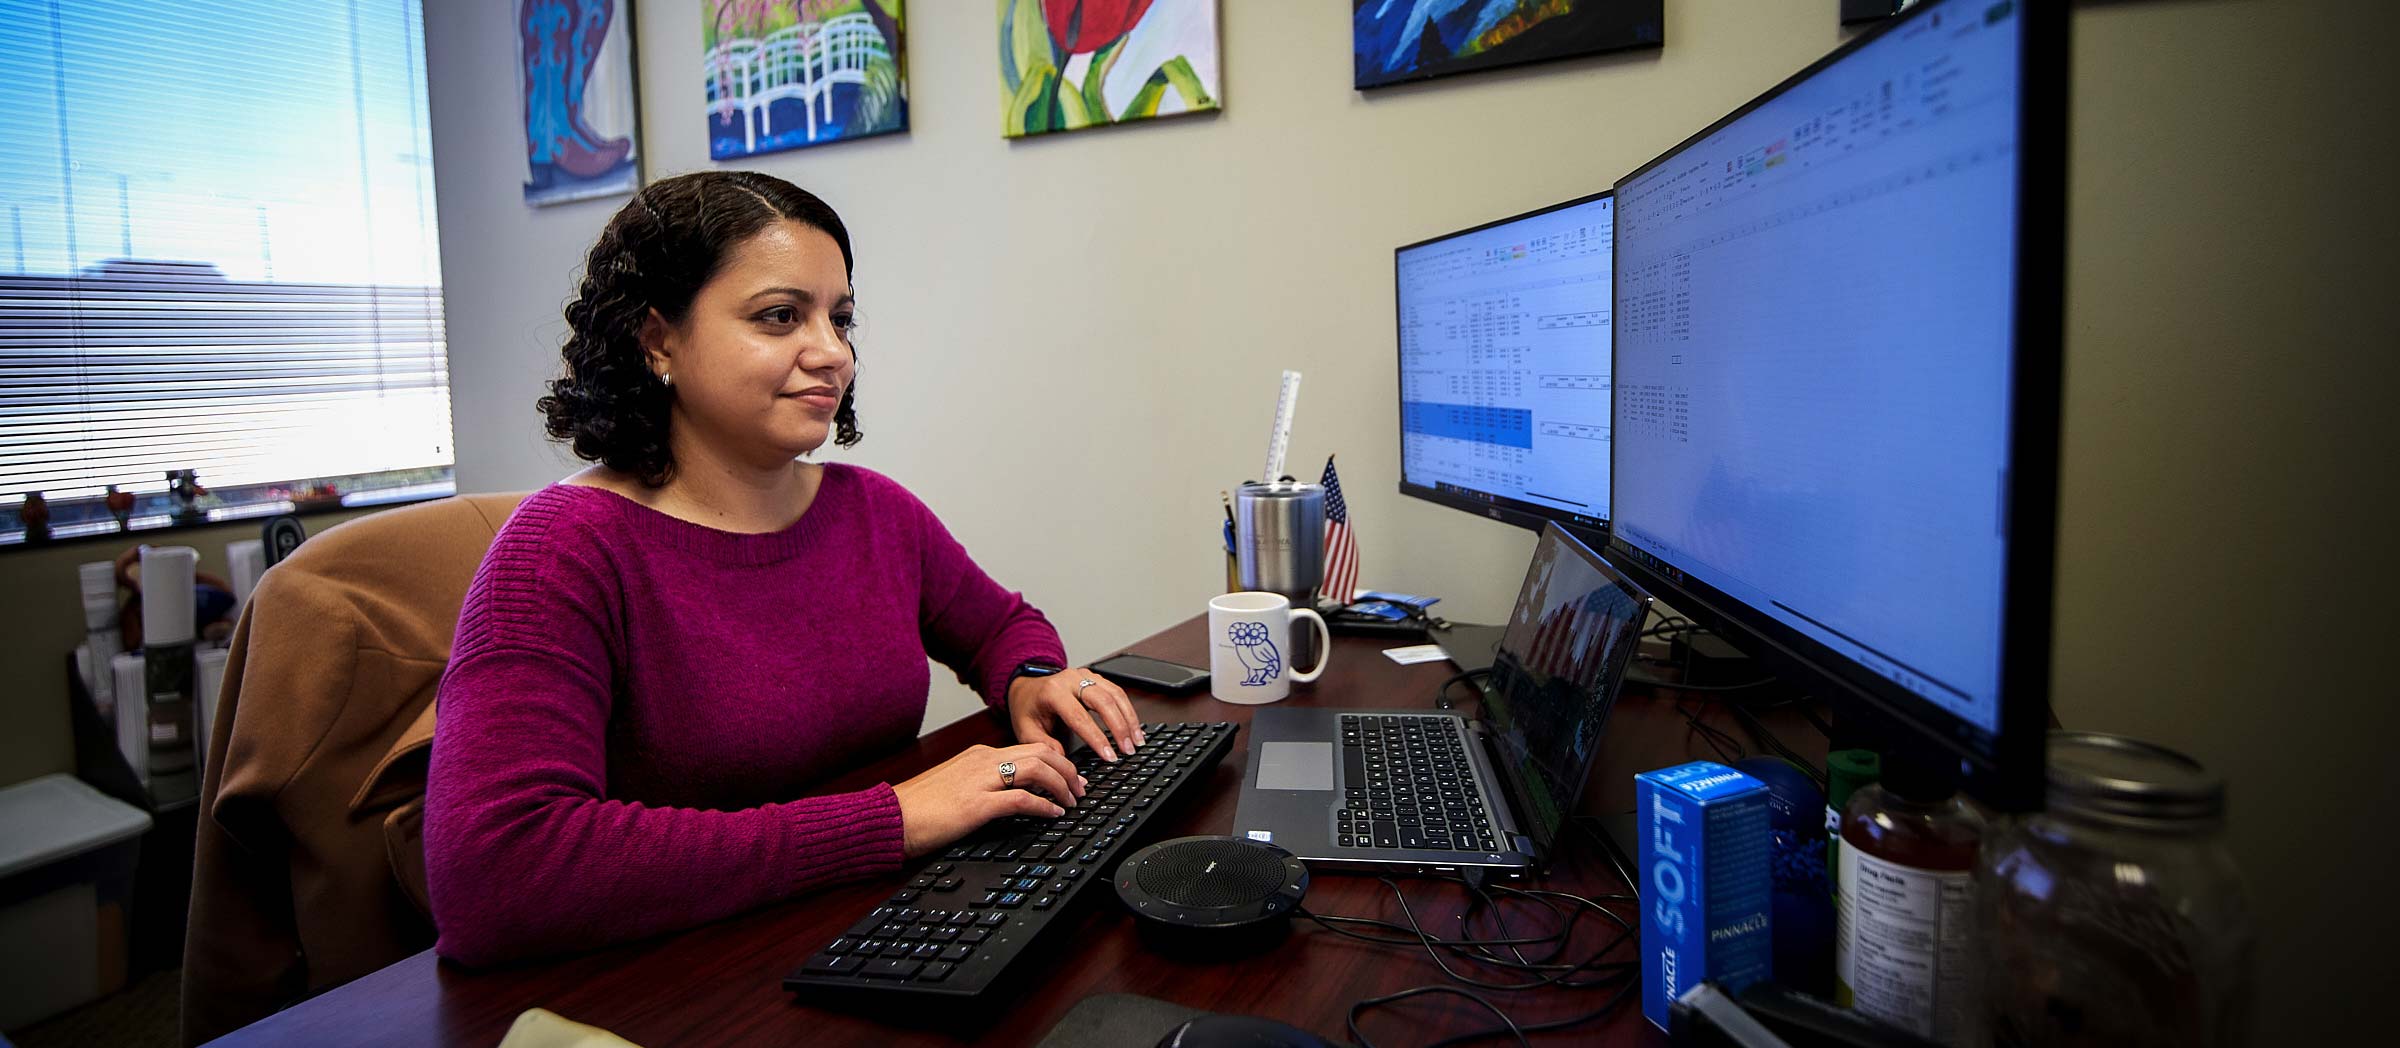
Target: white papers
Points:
(1416, 653)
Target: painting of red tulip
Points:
(575, 77)
(1066, 65)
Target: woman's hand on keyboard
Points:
(1079, 701)
(952, 798)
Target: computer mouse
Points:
(1239, 1031)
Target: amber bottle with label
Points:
(1905, 913)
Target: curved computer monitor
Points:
(1504, 358)
(1837, 370)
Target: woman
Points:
(661, 651)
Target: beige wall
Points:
(42, 620)
(1072, 343)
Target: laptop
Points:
(1425, 790)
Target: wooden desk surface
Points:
(720, 984)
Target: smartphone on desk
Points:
(1154, 674)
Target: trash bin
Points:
(67, 858)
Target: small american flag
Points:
(1341, 548)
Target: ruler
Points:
(1279, 439)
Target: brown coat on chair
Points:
(311, 868)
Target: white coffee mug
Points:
(1249, 635)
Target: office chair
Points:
(310, 868)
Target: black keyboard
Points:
(963, 921)
(1406, 784)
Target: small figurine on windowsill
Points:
(36, 515)
(319, 494)
(184, 485)
(120, 506)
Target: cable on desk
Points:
(1547, 972)
(1590, 824)
(1441, 695)
(1360, 1036)
(1727, 748)
(1614, 1000)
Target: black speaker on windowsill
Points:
(1212, 895)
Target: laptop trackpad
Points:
(1295, 766)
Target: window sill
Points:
(164, 528)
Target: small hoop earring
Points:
(666, 378)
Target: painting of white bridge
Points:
(802, 62)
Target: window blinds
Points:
(221, 252)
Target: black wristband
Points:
(1031, 668)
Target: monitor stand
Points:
(1471, 646)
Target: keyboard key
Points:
(946, 884)
(940, 868)
(956, 953)
(1012, 900)
(945, 933)
(866, 925)
(1041, 871)
(833, 964)
(927, 951)
(897, 949)
(989, 899)
(891, 968)
(992, 919)
(1045, 902)
(1089, 857)
(1387, 834)
(914, 933)
(921, 881)
(935, 972)
(974, 935)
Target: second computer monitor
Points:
(1838, 379)
(1504, 358)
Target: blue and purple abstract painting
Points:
(1400, 40)
(787, 74)
(575, 68)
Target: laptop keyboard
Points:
(1406, 784)
(967, 917)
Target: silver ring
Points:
(1082, 684)
(1008, 775)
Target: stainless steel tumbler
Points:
(1279, 545)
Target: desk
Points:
(720, 984)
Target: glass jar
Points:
(2116, 917)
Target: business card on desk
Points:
(1416, 653)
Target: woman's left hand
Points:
(1073, 697)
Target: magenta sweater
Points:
(636, 706)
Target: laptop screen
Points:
(1561, 659)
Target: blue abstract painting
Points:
(1399, 40)
(787, 74)
(575, 69)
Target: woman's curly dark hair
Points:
(657, 253)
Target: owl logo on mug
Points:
(1258, 654)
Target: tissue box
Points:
(1707, 884)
